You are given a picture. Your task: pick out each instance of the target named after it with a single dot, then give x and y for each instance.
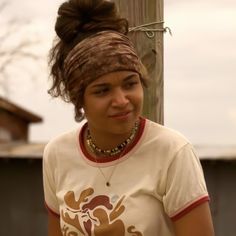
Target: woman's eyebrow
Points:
(129, 77)
(104, 84)
(99, 85)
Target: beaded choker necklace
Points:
(113, 151)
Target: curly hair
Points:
(77, 20)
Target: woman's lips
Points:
(121, 115)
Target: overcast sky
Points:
(200, 63)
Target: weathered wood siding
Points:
(14, 121)
(22, 200)
(16, 126)
(140, 12)
(221, 182)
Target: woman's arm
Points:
(197, 222)
(54, 228)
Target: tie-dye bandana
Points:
(102, 53)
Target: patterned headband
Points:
(99, 54)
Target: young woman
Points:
(120, 174)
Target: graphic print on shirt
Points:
(94, 216)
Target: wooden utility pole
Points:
(150, 49)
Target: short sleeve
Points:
(49, 182)
(185, 186)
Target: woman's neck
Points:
(107, 140)
(107, 143)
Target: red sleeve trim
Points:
(51, 211)
(189, 208)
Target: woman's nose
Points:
(119, 98)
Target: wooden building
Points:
(21, 197)
(219, 165)
(14, 122)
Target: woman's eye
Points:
(101, 91)
(131, 84)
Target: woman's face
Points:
(113, 102)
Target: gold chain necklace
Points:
(108, 180)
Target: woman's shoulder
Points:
(63, 140)
(164, 135)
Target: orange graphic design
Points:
(94, 216)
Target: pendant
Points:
(114, 198)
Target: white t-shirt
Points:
(159, 179)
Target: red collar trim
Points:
(106, 160)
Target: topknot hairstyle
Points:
(77, 20)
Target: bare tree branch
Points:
(20, 49)
(3, 5)
(12, 27)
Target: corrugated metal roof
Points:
(35, 150)
(216, 152)
(22, 150)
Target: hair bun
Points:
(78, 17)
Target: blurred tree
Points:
(13, 47)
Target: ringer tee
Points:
(158, 180)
